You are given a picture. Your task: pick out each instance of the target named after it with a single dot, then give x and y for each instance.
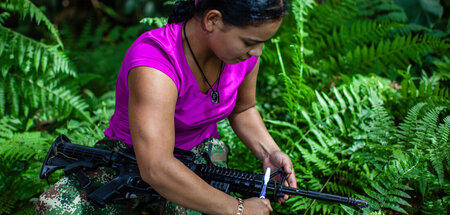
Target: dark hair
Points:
(234, 12)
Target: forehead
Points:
(261, 32)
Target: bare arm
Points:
(249, 127)
(152, 101)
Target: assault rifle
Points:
(77, 159)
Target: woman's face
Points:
(234, 44)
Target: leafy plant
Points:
(20, 155)
(352, 143)
(343, 122)
(34, 85)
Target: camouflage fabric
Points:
(209, 151)
(65, 196)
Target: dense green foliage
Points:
(365, 110)
(356, 92)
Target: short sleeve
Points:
(148, 53)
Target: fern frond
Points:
(311, 157)
(444, 135)
(8, 126)
(438, 150)
(398, 53)
(2, 98)
(297, 90)
(63, 98)
(23, 146)
(21, 156)
(29, 54)
(158, 21)
(426, 128)
(427, 91)
(391, 192)
(85, 35)
(406, 130)
(300, 10)
(410, 28)
(382, 127)
(345, 38)
(7, 204)
(326, 16)
(27, 8)
(46, 99)
(443, 65)
(3, 16)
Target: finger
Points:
(290, 173)
(283, 199)
(288, 168)
(292, 181)
(267, 203)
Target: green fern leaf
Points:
(14, 97)
(27, 8)
(285, 124)
(323, 104)
(17, 46)
(387, 53)
(158, 21)
(2, 98)
(382, 128)
(407, 128)
(7, 204)
(3, 16)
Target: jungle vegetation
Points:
(356, 92)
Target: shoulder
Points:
(156, 49)
(160, 40)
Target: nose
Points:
(256, 50)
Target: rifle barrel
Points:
(324, 196)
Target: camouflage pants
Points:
(65, 196)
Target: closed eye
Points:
(246, 43)
(252, 42)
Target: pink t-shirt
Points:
(196, 116)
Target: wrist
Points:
(268, 153)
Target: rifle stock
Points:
(76, 159)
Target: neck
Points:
(197, 37)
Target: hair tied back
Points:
(182, 11)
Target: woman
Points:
(178, 81)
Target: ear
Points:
(213, 21)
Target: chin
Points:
(232, 61)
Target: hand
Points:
(277, 160)
(257, 206)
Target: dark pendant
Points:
(214, 97)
